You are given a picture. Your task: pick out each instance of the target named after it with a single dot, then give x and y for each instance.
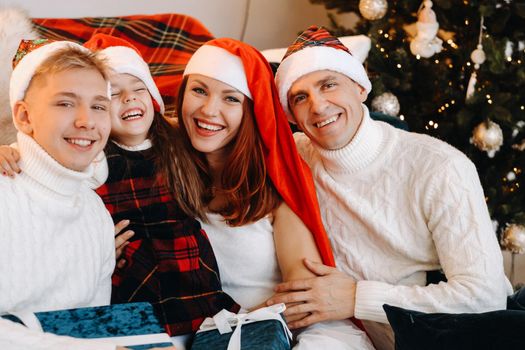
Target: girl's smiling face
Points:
(132, 109)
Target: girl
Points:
(260, 207)
(170, 262)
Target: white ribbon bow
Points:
(224, 320)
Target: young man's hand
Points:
(121, 241)
(9, 158)
(329, 296)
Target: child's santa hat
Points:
(123, 58)
(244, 68)
(316, 49)
(30, 55)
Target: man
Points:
(396, 205)
(57, 248)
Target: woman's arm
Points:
(293, 243)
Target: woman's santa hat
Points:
(316, 49)
(244, 68)
(123, 58)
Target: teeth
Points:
(208, 126)
(327, 121)
(80, 142)
(131, 115)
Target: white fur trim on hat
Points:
(125, 60)
(26, 68)
(219, 64)
(314, 58)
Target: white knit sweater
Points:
(57, 248)
(397, 204)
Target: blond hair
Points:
(67, 58)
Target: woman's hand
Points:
(121, 241)
(9, 158)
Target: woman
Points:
(259, 204)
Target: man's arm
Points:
(460, 226)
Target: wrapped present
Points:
(262, 329)
(133, 325)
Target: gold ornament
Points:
(513, 238)
(386, 103)
(373, 9)
(488, 137)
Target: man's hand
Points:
(329, 296)
(121, 241)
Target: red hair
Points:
(249, 191)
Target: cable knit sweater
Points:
(57, 248)
(398, 204)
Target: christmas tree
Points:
(465, 85)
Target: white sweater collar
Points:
(41, 168)
(360, 152)
(144, 145)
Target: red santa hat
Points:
(316, 49)
(123, 58)
(244, 68)
(28, 58)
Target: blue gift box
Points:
(260, 330)
(133, 325)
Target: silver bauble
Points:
(373, 9)
(386, 103)
(487, 137)
(513, 238)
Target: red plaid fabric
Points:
(166, 41)
(170, 262)
(315, 36)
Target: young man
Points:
(396, 205)
(57, 248)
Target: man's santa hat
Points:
(316, 49)
(123, 58)
(244, 68)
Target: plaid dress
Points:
(169, 261)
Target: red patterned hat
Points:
(29, 56)
(316, 49)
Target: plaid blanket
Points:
(166, 42)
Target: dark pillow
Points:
(490, 330)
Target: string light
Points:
(399, 66)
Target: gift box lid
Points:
(133, 325)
